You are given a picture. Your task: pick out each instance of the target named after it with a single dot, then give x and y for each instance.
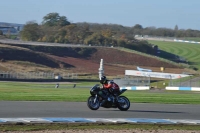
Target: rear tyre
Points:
(123, 103)
(92, 104)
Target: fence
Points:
(133, 81)
(126, 81)
(145, 81)
(36, 75)
(185, 82)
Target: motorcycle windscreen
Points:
(122, 91)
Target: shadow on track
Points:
(147, 111)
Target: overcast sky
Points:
(158, 13)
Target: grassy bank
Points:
(188, 51)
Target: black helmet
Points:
(103, 80)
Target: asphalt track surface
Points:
(36, 109)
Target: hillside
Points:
(185, 52)
(76, 60)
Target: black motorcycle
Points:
(116, 101)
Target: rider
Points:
(110, 86)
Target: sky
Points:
(158, 13)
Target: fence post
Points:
(6, 74)
(149, 80)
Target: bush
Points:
(194, 68)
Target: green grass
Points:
(151, 56)
(188, 51)
(14, 91)
(95, 126)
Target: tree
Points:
(106, 33)
(30, 32)
(176, 28)
(63, 21)
(53, 19)
(138, 26)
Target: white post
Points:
(101, 69)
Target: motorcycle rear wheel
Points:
(123, 103)
(93, 105)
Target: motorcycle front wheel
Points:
(123, 103)
(92, 103)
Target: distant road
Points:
(35, 109)
(156, 39)
(9, 41)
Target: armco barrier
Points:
(183, 88)
(94, 120)
(136, 88)
(186, 41)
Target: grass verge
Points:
(14, 91)
(91, 126)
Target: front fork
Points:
(95, 99)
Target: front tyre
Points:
(92, 103)
(123, 103)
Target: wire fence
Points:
(133, 81)
(185, 82)
(146, 81)
(37, 75)
(126, 81)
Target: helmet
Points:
(103, 80)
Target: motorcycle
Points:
(116, 101)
